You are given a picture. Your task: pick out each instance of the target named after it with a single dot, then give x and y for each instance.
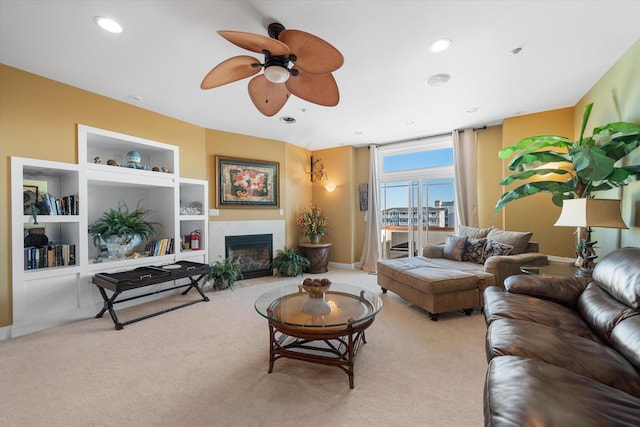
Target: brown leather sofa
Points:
(564, 350)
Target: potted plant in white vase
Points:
(122, 230)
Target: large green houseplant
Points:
(588, 163)
(122, 230)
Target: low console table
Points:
(318, 255)
(123, 281)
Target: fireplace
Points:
(254, 253)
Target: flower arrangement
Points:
(313, 223)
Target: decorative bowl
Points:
(316, 287)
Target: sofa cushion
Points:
(473, 232)
(563, 349)
(619, 275)
(517, 239)
(562, 289)
(601, 311)
(527, 392)
(504, 305)
(493, 248)
(454, 247)
(625, 337)
(474, 249)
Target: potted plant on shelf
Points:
(313, 223)
(224, 273)
(289, 263)
(122, 230)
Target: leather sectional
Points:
(565, 350)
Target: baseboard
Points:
(5, 333)
(344, 266)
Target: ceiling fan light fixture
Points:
(108, 24)
(276, 74)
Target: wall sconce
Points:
(318, 171)
(330, 187)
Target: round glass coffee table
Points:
(319, 327)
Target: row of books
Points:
(160, 247)
(49, 256)
(67, 205)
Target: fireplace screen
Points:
(253, 252)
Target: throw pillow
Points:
(492, 248)
(473, 232)
(473, 250)
(454, 247)
(519, 240)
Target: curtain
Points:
(466, 191)
(371, 250)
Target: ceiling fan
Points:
(295, 62)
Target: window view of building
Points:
(417, 196)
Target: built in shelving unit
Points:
(49, 294)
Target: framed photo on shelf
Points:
(246, 183)
(29, 198)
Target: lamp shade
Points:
(591, 213)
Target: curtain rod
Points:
(423, 137)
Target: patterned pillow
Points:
(492, 248)
(473, 250)
(454, 248)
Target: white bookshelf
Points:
(46, 297)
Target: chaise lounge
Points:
(452, 276)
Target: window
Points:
(416, 195)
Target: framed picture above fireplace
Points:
(246, 183)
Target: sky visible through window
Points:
(439, 189)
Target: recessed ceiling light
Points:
(440, 45)
(410, 122)
(359, 132)
(438, 79)
(135, 97)
(473, 110)
(516, 51)
(288, 120)
(108, 24)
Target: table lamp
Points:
(587, 213)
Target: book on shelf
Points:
(55, 255)
(67, 205)
(160, 247)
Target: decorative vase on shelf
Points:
(314, 238)
(120, 247)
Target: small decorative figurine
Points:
(165, 169)
(133, 160)
(97, 159)
(155, 169)
(111, 162)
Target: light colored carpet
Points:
(206, 365)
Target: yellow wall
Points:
(38, 119)
(616, 97)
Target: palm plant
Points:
(589, 162)
(289, 263)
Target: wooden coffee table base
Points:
(333, 346)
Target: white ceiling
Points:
(169, 46)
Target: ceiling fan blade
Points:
(314, 55)
(268, 97)
(255, 42)
(319, 89)
(231, 70)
